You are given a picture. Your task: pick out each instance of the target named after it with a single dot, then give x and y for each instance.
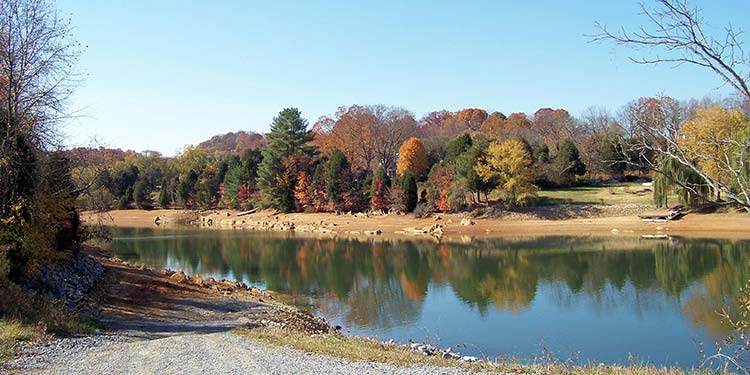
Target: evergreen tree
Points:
(568, 163)
(165, 198)
(318, 187)
(142, 195)
(338, 178)
(457, 146)
(288, 139)
(409, 187)
(540, 153)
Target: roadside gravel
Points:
(209, 353)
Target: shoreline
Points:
(441, 227)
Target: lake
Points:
(590, 299)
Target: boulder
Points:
(467, 222)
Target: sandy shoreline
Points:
(715, 225)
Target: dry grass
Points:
(626, 193)
(10, 334)
(24, 317)
(362, 349)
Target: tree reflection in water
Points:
(380, 284)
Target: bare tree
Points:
(677, 30)
(655, 140)
(37, 55)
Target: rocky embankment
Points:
(68, 281)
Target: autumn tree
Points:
(439, 187)
(302, 190)
(494, 125)
(717, 141)
(508, 163)
(676, 33)
(379, 190)
(472, 117)
(287, 144)
(411, 157)
(367, 135)
(432, 124)
(552, 125)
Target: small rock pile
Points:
(295, 320)
(430, 350)
(68, 281)
(223, 285)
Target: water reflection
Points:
(381, 286)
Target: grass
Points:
(362, 349)
(626, 193)
(24, 317)
(12, 332)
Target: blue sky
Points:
(160, 75)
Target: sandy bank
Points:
(723, 225)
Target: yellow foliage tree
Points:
(716, 140)
(412, 157)
(509, 164)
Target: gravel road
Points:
(164, 325)
(199, 353)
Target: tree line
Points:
(382, 158)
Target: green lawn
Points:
(625, 193)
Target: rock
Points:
(179, 277)
(467, 222)
(375, 232)
(468, 358)
(67, 281)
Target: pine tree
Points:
(409, 187)
(568, 163)
(318, 187)
(288, 139)
(164, 195)
(338, 179)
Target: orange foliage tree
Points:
(302, 190)
(412, 157)
(367, 135)
(473, 117)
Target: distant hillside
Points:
(239, 141)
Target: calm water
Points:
(587, 298)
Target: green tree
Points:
(409, 188)
(318, 187)
(568, 163)
(288, 139)
(142, 195)
(457, 146)
(338, 179)
(165, 197)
